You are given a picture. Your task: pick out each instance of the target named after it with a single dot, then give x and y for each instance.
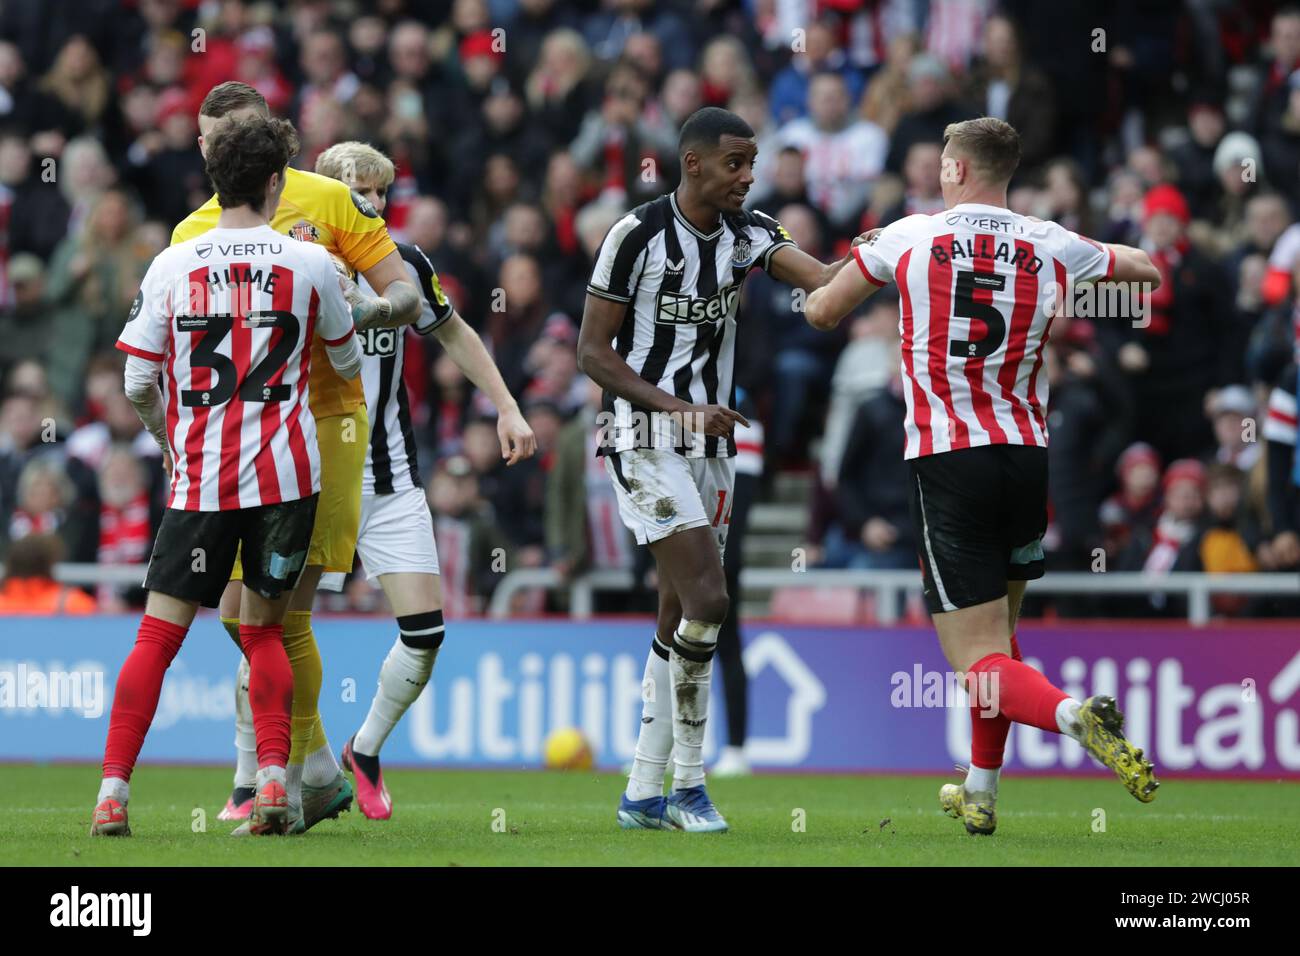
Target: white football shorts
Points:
(661, 493)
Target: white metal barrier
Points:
(890, 587)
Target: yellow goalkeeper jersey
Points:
(325, 211)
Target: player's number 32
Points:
(204, 354)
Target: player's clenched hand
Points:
(713, 419)
(167, 462)
(517, 439)
(868, 236)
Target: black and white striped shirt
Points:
(679, 333)
(391, 459)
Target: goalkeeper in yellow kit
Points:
(325, 211)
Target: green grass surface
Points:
(446, 818)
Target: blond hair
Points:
(353, 162)
(991, 145)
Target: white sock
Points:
(114, 788)
(982, 780)
(292, 782)
(273, 772)
(320, 767)
(245, 738)
(1067, 717)
(690, 682)
(654, 742)
(405, 672)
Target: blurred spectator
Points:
(29, 586)
(922, 193)
(125, 535)
(1232, 413)
(1174, 543)
(1090, 421)
(583, 527)
(25, 321)
(1195, 158)
(615, 141)
(46, 503)
(1276, 68)
(94, 276)
(33, 206)
(471, 551)
(609, 30)
(1135, 507)
(21, 434)
(557, 90)
(1064, 197)
(875, 529)
(1005, 85)
(1281, 143)
(931, 107)
(1176, 351)
(867, 365)
(76, 89)
(791, 93)
(885, 99)
(842, 155)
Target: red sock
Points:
(270, 691)
(1020, 693)
(989, 731)
(135, 700)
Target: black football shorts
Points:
(195, 550)
(979, 514)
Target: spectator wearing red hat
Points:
(1173, 543)
(1178, 348)
(1135, 507)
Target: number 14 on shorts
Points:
(723, 514)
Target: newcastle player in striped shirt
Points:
(658, 334)
(395, 541)
(979, 285)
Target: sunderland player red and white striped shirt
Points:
(978, 286)
(230, 316)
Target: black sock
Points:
(242, 794)
(366, 764)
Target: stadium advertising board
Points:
(1216, 701)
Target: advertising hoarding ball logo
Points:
(567, 749)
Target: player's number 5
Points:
(964, 306)
(204, 354)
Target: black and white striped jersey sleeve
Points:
(766, 235)
(621, 259)
(436, 308)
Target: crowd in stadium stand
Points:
(522, 129)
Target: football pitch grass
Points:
(534, 818)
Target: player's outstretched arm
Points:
(397, 305)
(1133, 265)
(600, 363)
(464, 347)
(826, 307)
(792, 265)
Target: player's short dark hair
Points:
(705, 127)
(242, 155)
(990, 144)
(225, 98)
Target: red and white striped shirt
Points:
(230, 316)
(978, 287)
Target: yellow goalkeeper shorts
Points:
(342, 441)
